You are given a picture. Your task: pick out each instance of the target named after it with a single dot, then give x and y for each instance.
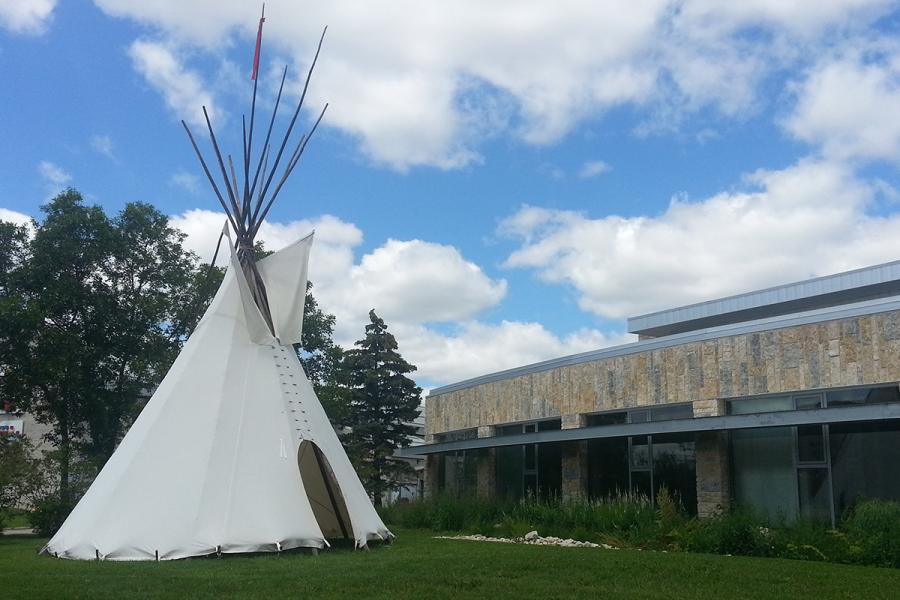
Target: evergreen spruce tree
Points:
(382, 403)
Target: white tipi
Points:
(233, 452)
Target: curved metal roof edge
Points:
(639, 321)
(769, 324)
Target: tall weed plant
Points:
(870, 533)
(873, 529)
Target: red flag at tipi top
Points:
(262, 19)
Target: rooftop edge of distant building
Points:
(857, 285)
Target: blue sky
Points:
(504, 182)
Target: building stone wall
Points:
(574, 461)
(713, 473)
(574, 470)
(486, 472)
(432, 469)
(854, 351)
(713, 464)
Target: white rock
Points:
(531, 538)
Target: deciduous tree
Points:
(321, 358)
(92, 313)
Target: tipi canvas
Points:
(234, 452)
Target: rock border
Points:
(532, 538)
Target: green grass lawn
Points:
(417, 566)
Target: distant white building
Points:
(414, 488)
(17, 422)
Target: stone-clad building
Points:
(784, 399)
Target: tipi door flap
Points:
(324, 492)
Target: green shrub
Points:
(13, 518)
(445, 513)
(735, 532)
(47, 511)
(810, 540)
(48, 516)
(18, 475)
(873, 528)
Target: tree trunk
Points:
(376, 481)
(65, 459)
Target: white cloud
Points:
(552, 171)
(104, 145)
(413, 285)
(410, 281)
(184, 91)
(802, 16)
(332, 252)
(413, 282)
(850, 105)
(204, 226)
(55, 178)
(11, 216)
(423, 83)
(592, 168)
(186, 181)
(26, 16)
(477, 348)
(53, 173)
(806, 220)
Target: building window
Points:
(671, 412)
(609, 418)
(763, 472)
(748, 406)
(815, 472)
(643, 464)
(675, 467)
(608, 472)
(804, 401)
(529, 469)
(865, 462)
(457, 473)
(457, 470)
(857, 396)
(456, 436)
